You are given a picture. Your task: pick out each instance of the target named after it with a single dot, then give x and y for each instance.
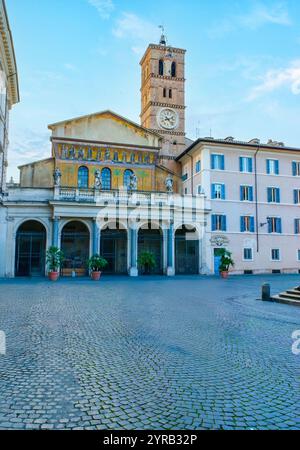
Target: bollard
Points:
(266, 292)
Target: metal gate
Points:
(151, 241)
(30, 254)
(186, 255)
(113, 245)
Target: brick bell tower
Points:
(163, 96)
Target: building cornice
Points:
(161, 105)
(164, 48)
(8, 47)
(71, 140)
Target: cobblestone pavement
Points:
(148, 353)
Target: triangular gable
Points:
(105, 126)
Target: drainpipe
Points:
(192, 173)
(256, 199)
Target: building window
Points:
(126, 178)
(161, 67)
(296, 196)
(246, 193)
(164, 92)
(198, 166)
(199, 189)
(248, 254)
(296, 168)
(218, 222)
(83, 177)
(184, 177)
(273, 195)
(132, 158)
(275, 254)
(218, 191)
(217, 162)
(274, 225)
(272, 166)
(170, 93)
(247, 224)
(106, 178)
(116, 156)
(173, 69)
(297, 226)
(185, 191)
(298, 254)
(245, 164)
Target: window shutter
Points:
(294, 168)
(212, 161)
(295, 196)
(251, 193)
(278, 195)
(268, 165)
(279, 226)
(252, 224)
(269, 225)
(296, 226)
(213, 222)
(223, 191)
(213, 191)
(277, 167)
(222, 162)
(242, 224)
(250, 167)
(269, 192)
(241, 164)
(224, 225)
(241, 193)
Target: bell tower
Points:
(163, 95)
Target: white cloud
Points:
(104, 7)
(133, 27)
(278, 78)
(260, 15)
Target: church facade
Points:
(117, 188)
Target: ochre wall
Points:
(38, 174)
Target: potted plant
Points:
(147, 262)
(54, 259)
(225, 263)
(96, 263)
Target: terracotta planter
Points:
(224, 274)
(53, 276)
(96, 276)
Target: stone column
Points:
(170, 251)
(96, 238)
(133, 271)
(55, 232)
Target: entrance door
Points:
(30, 250)
(114, 250)
(186, 252)
(75, 244)
(217, 260)
(151, 241)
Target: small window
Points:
(248, 254)
(247, 224)
(218, 191)
(298, 254)
(83, 177)
(161, 67)
(297, 226)
(164, 92)
(173, 69)
(170, 93)
(296, 168)
(217, 162)
(272, 166)
(296, 196)
(274, 225)
(275, 254)
(273, 195)
(218, 222)
(185, 191)
(245, 164)
(106, 178)
(246, 194)
(199, 189)
(198, 166)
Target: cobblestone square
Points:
(148, 353)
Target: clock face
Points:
(168, 118)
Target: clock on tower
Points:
(163, 96)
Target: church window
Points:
(83, 177)
(126, 177)
(116, 156)
(170, 93)
(132, 157)
(164, 92)
(106, 178)
(161, 67)
(173, 69)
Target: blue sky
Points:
(76, 57)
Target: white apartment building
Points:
(253, 191)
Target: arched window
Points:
(106, 178)
(126, 177)
(83, 177)
(173, 69)
(161, 67)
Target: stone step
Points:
(288, 301)
(287, 295)
(294, 292)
